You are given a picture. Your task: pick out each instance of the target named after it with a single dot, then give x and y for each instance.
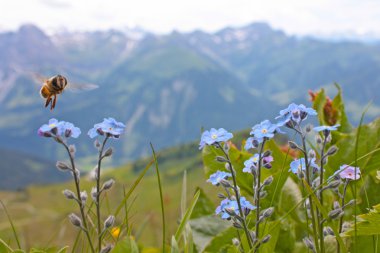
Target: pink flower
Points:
(348, 172)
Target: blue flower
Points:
(252, 142)
(296, 113)
(231, 206)
(218, 176)
(297, 166)
(109, 126)
(349, 173)
(251, 163)
(69, 130)
(59, 128)
(326, 128)
(214, 136)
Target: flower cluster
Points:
(61, 131)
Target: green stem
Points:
(100, 158)
(313, 223)
(319, 214)
(341, 218)
(81, 206)
(257, 194)
(235, 188)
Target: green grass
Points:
(40, 213)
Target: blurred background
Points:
(166, 69)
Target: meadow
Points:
(282, 187)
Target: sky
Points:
(300, 17)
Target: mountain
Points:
(167, 87)
(19, 170)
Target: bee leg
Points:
(53, 103)
(48, 100)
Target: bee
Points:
(53, 86)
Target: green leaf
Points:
(5, 247)
(174, 246)
(369, 223)
(203, 207)
(205, 229)
(128, 244)
(272, 228)
(186, 217)
(220, 241)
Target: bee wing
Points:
(37, 78)
(79, 87)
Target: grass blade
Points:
(12, 225)
(161, 198)
(187, 215)
(135, 184)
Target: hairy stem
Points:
(235, 188)
(100, 158)
(81, 206)
(257, 194)
(320, 195)
(341, 218)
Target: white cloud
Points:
(294, 16)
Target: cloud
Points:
(56, 4)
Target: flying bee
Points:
(53, 86)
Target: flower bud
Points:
(62, 166)
(69, 194)
(293, 145)
(96, 143)
(318, 139)
(107, 249)
(226, 147)
(328, 231)
(75, 220)
(308, 128)
(67, 133)
(332, 150)
(225, 183)
(312, 153)
(221, 159)
(94, 194)
(346, 225)
(309, 244)
(268, 212)
(108, 184)
(266, 239)
(108, 152)
(336, 213)
(350, 203)
(253, 235)
(268, 180)
(237, 225)
(328, 138)
(72, 149)
(336, 205)
(221, 196)
(263, 194)
(334, 184)
(83, 197)
(235, 242)
(109, 221)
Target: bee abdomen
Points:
(44, 91)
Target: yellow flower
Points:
(115, 231)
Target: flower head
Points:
(57, 128)
(349, 172)
(228, 207)
(295, 113)
(297, 166)
(218, 176)
(109, 126)
(214, 136)
(328, 128)
(264, 130)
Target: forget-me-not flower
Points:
(109, 126)
(296, 113)
(214, 136)
(218, 176)
(348, 172)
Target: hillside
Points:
(19, 170)
(167, 87)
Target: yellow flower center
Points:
(52, 125)
(255, 159)
(264, 131)
(214, 136)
